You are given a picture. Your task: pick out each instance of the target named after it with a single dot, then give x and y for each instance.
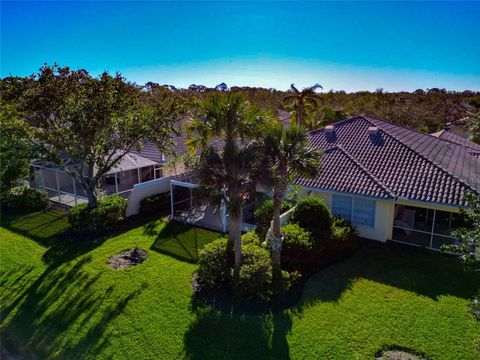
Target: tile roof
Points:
(401, 163)
(450, 136)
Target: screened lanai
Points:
(61, 186)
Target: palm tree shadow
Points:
(233, 336)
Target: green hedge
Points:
(24, 199)
(155, 204)
(213, 269)
(255, 277)
(264, 213)
(297, 243)
(344, 235)
(313, 215)
(108, 213)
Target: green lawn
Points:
(61, 300)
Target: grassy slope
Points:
(61, 300)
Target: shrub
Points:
(285, 282)
(213, 269)
(25, 199)
(312, 214)
(108, 213)
(297, 242)
(344, 235)
(264, 213)
(155, 204)
(251, 237)
(255, 277)
(475, 306)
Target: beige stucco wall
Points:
(384, 213)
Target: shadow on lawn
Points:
(420, 271)
(63, 299)
(178, 240)
(217, 335)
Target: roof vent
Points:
(329, 129)
(373, 130)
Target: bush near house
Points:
(24, 199)
(251, 237)
(109, 212)
(297, 243)
(213, 270)
(264, 213)
(344, 236)
(155, 204)
(255, 277)
(313, 215)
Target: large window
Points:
(355, 210)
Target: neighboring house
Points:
(139, 166)
(63, 188)
(394, 183)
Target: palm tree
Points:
(228, 173)
(288, 151)
(302, 102)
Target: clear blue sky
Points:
(349, 46)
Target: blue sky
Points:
(349, 46)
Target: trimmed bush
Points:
(297, 243)
(213, 269)
(312, 214)
(264, 213)
(106, 215)
(155, 204)
(255, 278)
(24, 199)
(251, 237)
(285, 282)
(344, 235)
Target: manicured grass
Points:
(61, 300)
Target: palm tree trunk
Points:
(277, 236)
(235, 240)
(300, 110)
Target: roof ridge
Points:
(440, 167)
(416, 131)
(364, 169)
(335, 123)
(457, 143)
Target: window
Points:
(364, 212)
(342, 206)
(357, 211)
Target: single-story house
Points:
(394, 183)
(138, 166)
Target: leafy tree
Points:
(228, 172)
(92, 123)
(475, 130)
(302, 103)
(468, 237)
(289, 154)
(17, 148)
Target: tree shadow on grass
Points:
(420, 271)
(178, 240)
(41, 317)
(217, 335)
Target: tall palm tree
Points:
(289, 154)
(229, 171)
(302, 102)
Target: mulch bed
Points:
(127, 258)
(398, 353)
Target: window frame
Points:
(352, 210)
